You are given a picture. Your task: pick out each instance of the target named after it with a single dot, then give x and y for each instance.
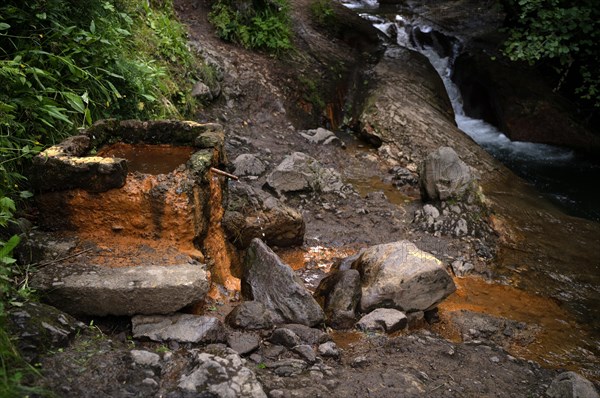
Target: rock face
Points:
(520, 103)
(340, 294)
(399, 275)
(383, 320)
(41, 327)
(253, 214)
(269, 281)
(94, 290)
(183, 328)
(443, 175)
(571, 385)
(299, 172)
(221, 376)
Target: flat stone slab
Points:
(183, 328)
(100, 291)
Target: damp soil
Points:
(430, 360)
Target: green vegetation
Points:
(63, 65)
(561, 33)
(322, 12)
(262, 25)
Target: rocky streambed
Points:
(444, 281)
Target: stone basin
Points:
(141, 208)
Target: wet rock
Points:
(501, 331)
(386, 320)
(145, 358)
(94, 290)
(288, 367)
(248, 164)
(243, 343)
(329, 349)
(399, 275)
(268, 280)
(250, 315)
(183, 328)
(310, 336)
(299, 172)
(444, 175)
(571, 385)
(285, 337)
(403, 176)
(340, 293)
(322, 136)
(40, 327)
(256, 214)
(221, 376)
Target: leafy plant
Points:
(563, 33)
(266, 25)
(322, 12)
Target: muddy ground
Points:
(259, 109)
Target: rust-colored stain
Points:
(216, 245)
(560, 341)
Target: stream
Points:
(553, 255)
(561, 174)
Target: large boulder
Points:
(253, 214)
(299, 172)
(399, 275)
(340, 294)
(80, 289)
(268, 280)
(443, 175)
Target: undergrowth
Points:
(262, 25)
(65, 64)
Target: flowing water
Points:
(561, 174)
(548, 254)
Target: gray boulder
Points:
(444, 175)
(571, 385)
(253, 214)
(243, 343)
(399, 275)
(268, 280)
(285, 337)
(340, 294)
(250, 315)
(300, 172)
(183, 328)
(94, 290)
(220, 376)
(310, 336)
(248, 164)
(383, 320)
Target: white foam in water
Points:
(353, 4)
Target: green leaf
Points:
(4, 26)
(93, 26)
(7, 248)
(75, 101)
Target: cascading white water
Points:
(558, 172)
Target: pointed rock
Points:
(269, 281)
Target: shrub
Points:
(264, 26)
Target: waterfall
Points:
(558, 172)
